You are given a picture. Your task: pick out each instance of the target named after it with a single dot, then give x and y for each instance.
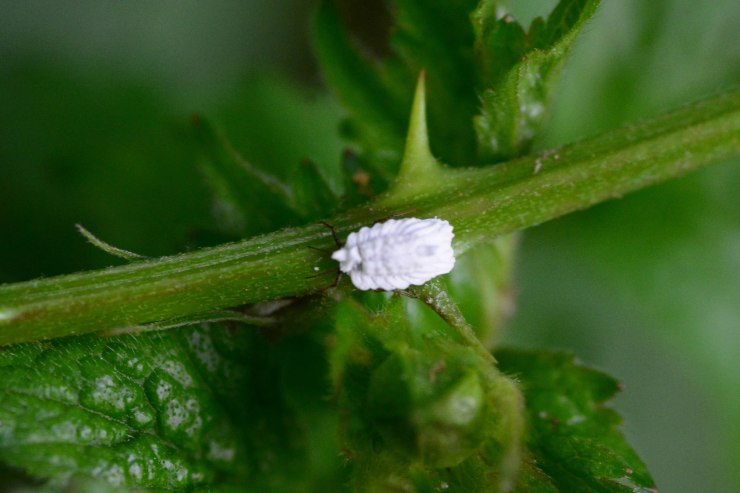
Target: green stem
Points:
(435, 296)
(481, 203)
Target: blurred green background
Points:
(95, 103)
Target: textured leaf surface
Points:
(420, 410)
(132, 411)
(574, 442)
(163, 410)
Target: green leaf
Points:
(279, 166)
(276, 125)
(433, 36)
(201, 407)
(131, 411)
(312, 197)
(378, 115)
(574, 441)
(419, 408)
(248, 200)
(643, 280)
(519, 71)
(482, 286)
(361, 183)
(437, 36)
(490, 81)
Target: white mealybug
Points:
(397, 253)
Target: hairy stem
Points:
(481, 203)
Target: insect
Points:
(397, 253)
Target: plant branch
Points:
(481, 203)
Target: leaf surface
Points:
(574, 442)
(488, 78)
(198, 407)
(519, 71)
(419, 409)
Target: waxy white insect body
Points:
(397, 253)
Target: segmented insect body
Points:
(397, 253)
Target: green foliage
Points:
(342, 390)
(272, 157)
(666, 331)
(248, 200)
(420, 407)
(471, 54)
(573, 440)
(520, 68)
(482, 285)
(136, 411)
(167, 410)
